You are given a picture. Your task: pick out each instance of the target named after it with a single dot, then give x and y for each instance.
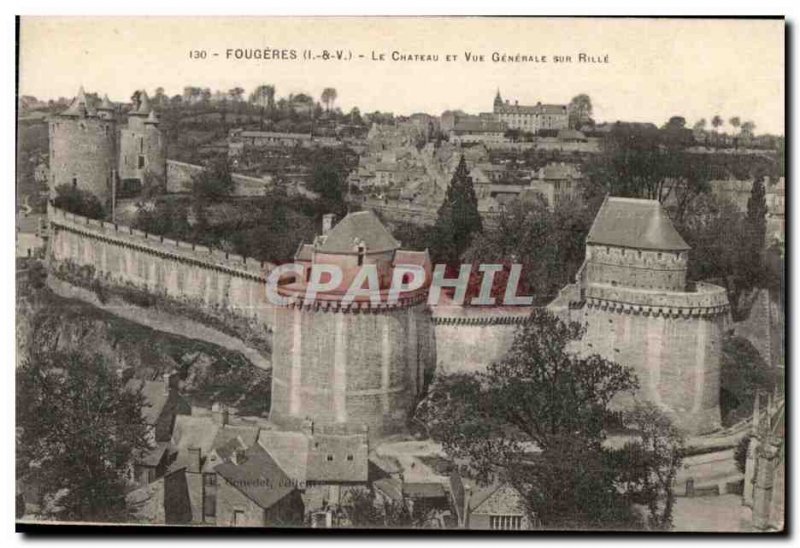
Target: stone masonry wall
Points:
(347, 368)
(120, 255)
(179, 177)
(673, 341)
(83, 150)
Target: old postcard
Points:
(465, 273)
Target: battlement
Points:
(706, 300)
(125, 236)
(639, 268)
(333, 303)
(643, 258)
(447, 313)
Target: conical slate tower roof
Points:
(152, 118)
(144, 104)
(106, 104)
(79, 106)
(635, 223)
(359, 227)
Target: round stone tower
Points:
(143, 148)
(639, 312)
(83, 148)
(351, 363)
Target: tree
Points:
(328, 97)
(538, 418)
(717, 122)
(747, 128)
(264, 96)
(236, 93)
(735, 122)
(80, 432)
(458, 219)
(699, 125)
(547, 241)
(78, 201)
(355, 116)
(676, 122)
(361, 508)
(153, 185)
(743, 372)
(714, 229)
(649, 463)
(644, 162)
(756, 231)
(211, 185)
(580, 111)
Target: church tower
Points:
(498, 101)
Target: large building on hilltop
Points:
(90, 149)
(530, 118)
(639, 311)
(351, 364)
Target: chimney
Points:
(516, 103)
(328, 221)
(194, 465)
(170, 382)
(219, 412)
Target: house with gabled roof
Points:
(162, 405)
(253, 491)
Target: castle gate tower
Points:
(351, 364)
(640, 312)
(83, 148)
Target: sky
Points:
(643, 69)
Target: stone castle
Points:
(92, 150)
(632, 295)
(362, 364)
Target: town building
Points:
(531, 118)
(557, 183)
(162, 405)
(253, 491)
(478, 129)
(496, 506)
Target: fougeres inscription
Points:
(468, 273)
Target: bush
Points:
(740, 453)
(79, 202)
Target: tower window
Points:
(361, 251)
(329, 458)
(141, 144)
(141, 161)
(74, 181)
